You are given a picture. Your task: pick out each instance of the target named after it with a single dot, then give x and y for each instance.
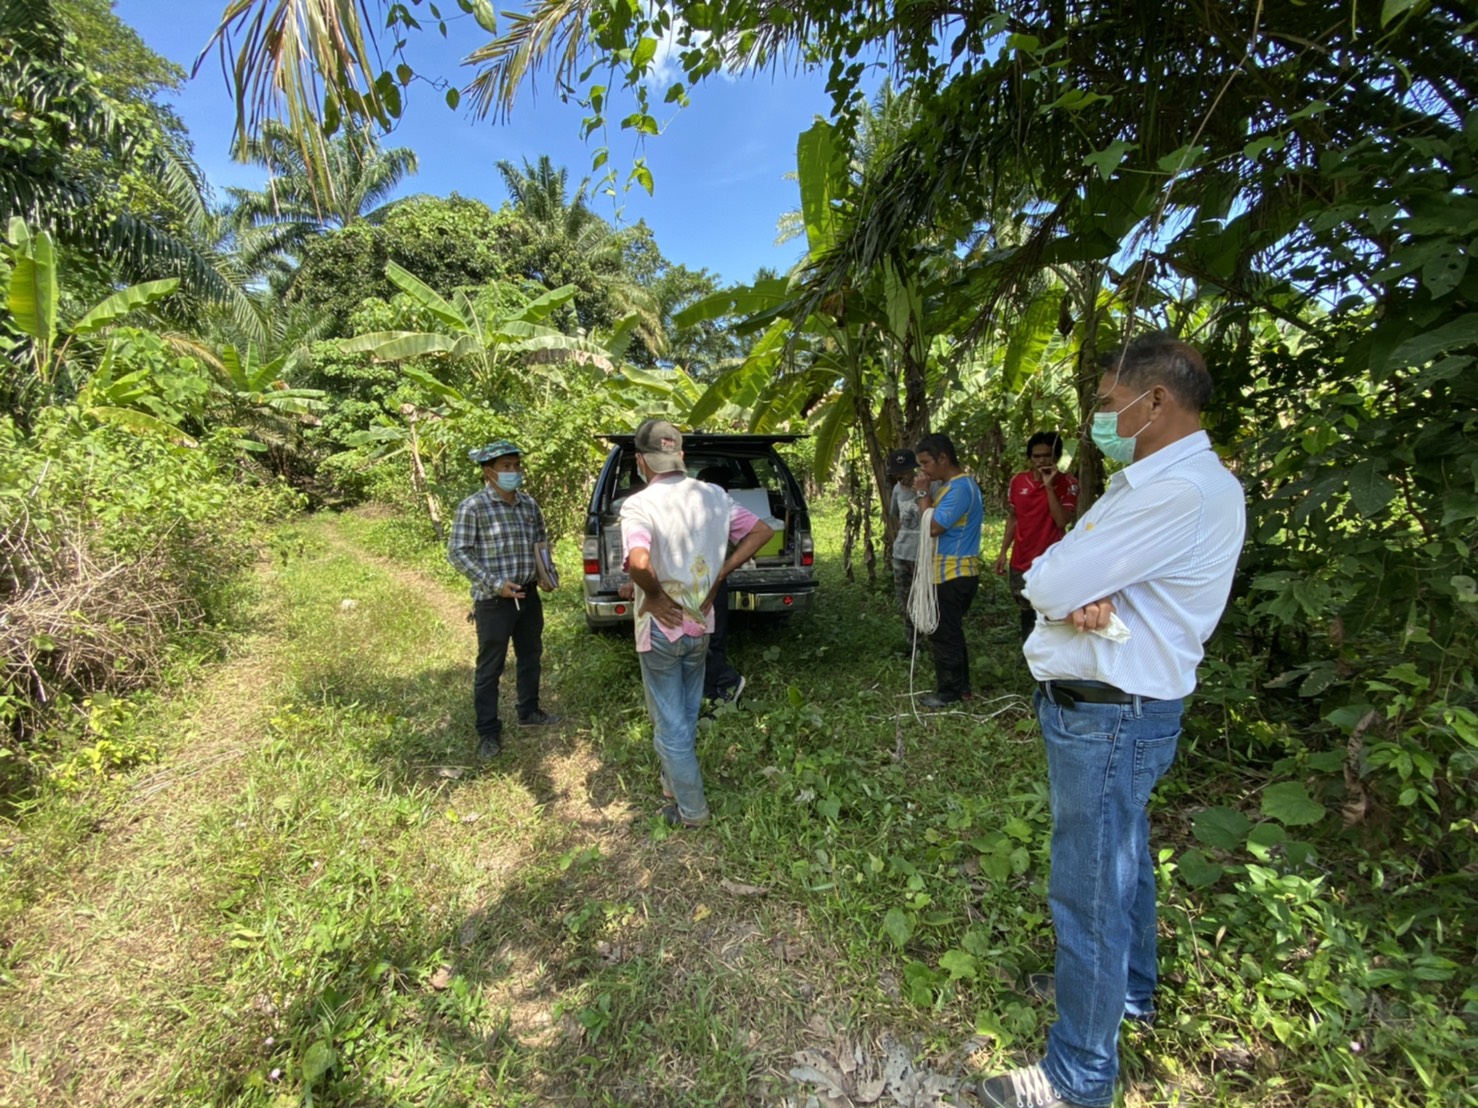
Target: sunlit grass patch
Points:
(319, 890)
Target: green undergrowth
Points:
(341, 907)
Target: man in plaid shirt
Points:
(494, 535)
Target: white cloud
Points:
(667, 66)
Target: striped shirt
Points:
(492, 541)
(1162, 543)
(960, 510)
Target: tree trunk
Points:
(1089, 460)
(849, 531)
(915, 402)
(904, 424)
(892, 435)
(994, 469)
(877, 453)
(419, 482)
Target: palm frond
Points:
(553, 33)
(274, 52)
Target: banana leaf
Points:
(110, 310)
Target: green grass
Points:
(315, 893)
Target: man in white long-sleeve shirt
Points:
(1125, 603)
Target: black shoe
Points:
(539, 719)
(730, 695)
(1042, 987)
(936, 700)
(489, 747)
(674, 817)
(1024, 1088)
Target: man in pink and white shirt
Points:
(675, 533)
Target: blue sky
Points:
(719, 164)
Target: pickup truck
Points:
(780, 579)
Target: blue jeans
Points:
(1103, 760)
(672, 678)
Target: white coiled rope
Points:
(923, 612)
(923, 602)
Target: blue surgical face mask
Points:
(1106, 437)
(510, 482)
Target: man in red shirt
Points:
(1040, 504)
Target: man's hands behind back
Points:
(661, 607)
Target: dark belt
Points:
(1069, 694)
(525, 586)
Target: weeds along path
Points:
(316, 889)
(98, 966)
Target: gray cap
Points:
(661, 444)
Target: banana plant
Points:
(259, 400)
(862, 358)
(33, 300)
(136, 386)
(637, 394)
(485, 336)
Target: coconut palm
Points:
(567, 243)
(63, 151)
(307, 196)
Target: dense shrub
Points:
(447, 242)
(111, 544)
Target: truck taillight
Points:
(808, 551)
(590, 551)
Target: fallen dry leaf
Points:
(816, 1069)
(852, 1074)
(701, 913)
(441, 978)
(786, 950)
(612, 954)
(743, 890)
